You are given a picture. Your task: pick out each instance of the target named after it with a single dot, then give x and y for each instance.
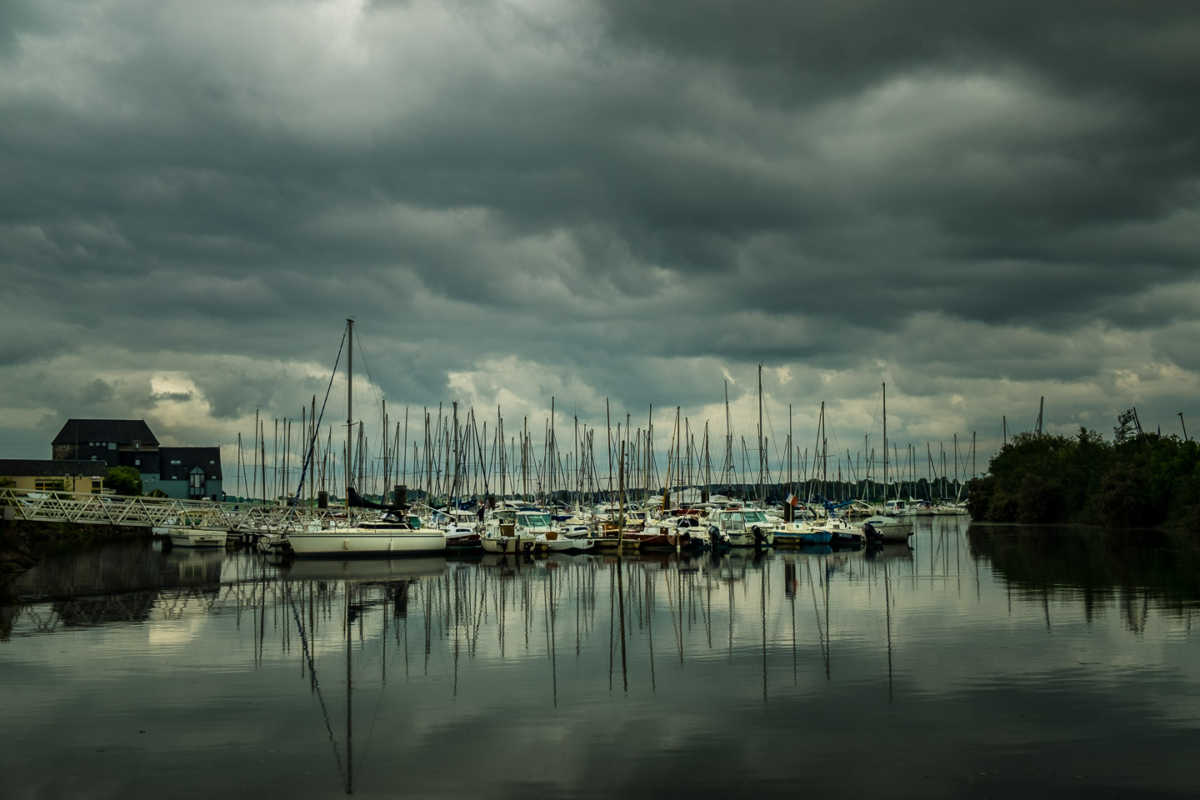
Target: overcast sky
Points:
(978, 203)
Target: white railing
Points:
(106, 509)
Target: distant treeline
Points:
(1147, 481)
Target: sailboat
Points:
(885, 527)
(395, 532)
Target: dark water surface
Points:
(982, 662)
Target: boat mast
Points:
(707, 467)
(885, 454)
(956, 492)
(608, 432)
(349, 408)
(727, 467)
(454, 490)
(762, 495)
(791, 486)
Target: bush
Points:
(124, 480)
(1143, 482)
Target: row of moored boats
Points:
(515, 527)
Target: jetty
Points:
(79, 508)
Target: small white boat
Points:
(890, 529)
(899, 508)
(562, 544)
(197, 537)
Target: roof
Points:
(122, 431)
(28, 467)
(207, 458)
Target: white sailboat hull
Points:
(197, 537)
(366, 542)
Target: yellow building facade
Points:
(53, 476)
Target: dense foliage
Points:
(1146, 481)
(123, 480)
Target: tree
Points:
(123, 480)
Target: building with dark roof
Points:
(116, 442)
(53, 476)
(187, 473)
(182, 472)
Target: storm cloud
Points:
(978, 204)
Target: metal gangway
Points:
(79, 508)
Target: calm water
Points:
(979, 662)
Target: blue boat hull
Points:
(796, 538)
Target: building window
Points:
(49, 484)
(137, 462)
(112, 445)
(196, 483)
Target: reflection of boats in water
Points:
(364, 569)
(892, 551)
(509, 560)
(196, 566)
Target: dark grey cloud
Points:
(614, 199)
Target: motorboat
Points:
(511, 530)
(887, 529)
(742, 527)
(182, 536)
(461, 528)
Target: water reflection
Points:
(429, 672)
(1132, 570)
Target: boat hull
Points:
(848, 539)
(354, 543)
(462, 541)
(507, 544)
(565, 545)
(890, 529)
(801, 538)
(749, 539)
(197, 537)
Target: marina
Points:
(978, 660)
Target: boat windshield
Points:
(414, 521)
(535, 520)
(756, 516)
